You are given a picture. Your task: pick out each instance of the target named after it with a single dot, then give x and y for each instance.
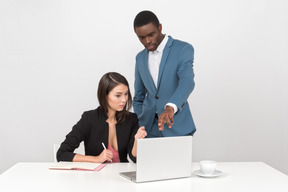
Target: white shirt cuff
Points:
(172, 105)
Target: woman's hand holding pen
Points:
(106, 155)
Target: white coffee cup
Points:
(208, 167)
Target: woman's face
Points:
(117, 98)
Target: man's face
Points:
(150, 35)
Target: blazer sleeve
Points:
(186, 77)
(73, 140)
(134, 130)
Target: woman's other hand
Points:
(141, 133)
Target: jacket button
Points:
(156, 97)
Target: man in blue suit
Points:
(164, 79)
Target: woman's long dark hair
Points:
(106, 84)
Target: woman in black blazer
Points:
(109, 126)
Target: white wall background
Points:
(53, 53)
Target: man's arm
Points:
(186, 85)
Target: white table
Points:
(237, 176)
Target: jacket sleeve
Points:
(134, 130)
(73, 140)
(185, 74)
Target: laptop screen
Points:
(163, 158)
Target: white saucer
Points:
(215, 174)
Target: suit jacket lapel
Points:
(163, 60)
(148, 74)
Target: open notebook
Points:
(63, 165)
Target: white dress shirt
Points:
(154, 60)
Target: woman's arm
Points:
(73, 140)
(83, 131)
(141, 133)
(106, 155)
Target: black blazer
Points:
(93, 129)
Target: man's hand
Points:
(166, 117)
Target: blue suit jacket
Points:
(175, 83)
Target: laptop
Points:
(162, 158)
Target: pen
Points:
(105, 148)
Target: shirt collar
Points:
(162, 45)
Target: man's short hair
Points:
(145, 17)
